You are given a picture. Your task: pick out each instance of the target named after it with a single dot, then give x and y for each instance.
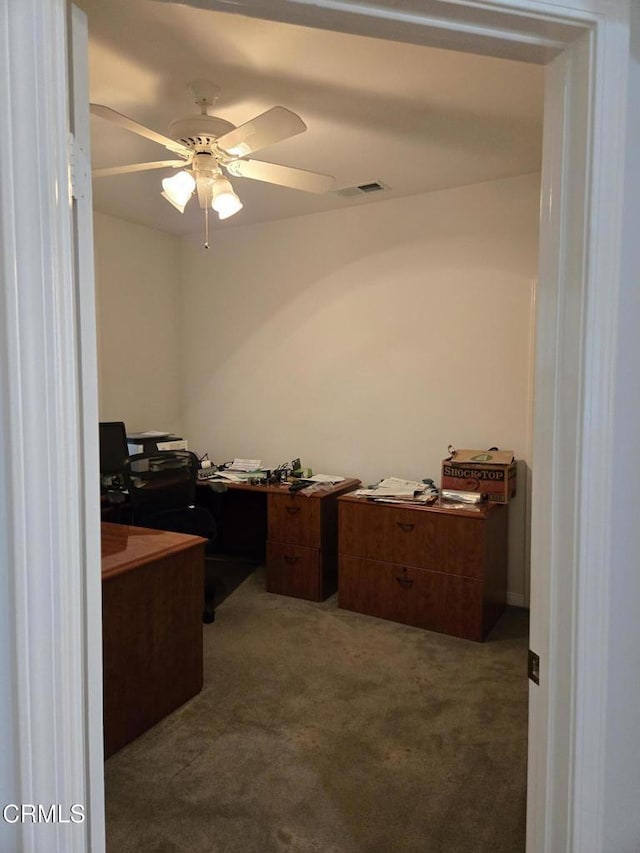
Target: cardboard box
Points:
(490, 472)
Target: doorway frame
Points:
(585, 45)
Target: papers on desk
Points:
(229, 476)
(325, 478)
(150, 433)
(397, 490)
(246, 465)
(238, 471)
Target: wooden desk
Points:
(432, 567)
(152, 599)
(295, 534)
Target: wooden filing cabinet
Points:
(435, 568)
(302, 548)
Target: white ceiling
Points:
(416, 119)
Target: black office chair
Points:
(162, 492)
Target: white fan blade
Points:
(129, 124)
(137, 167)
(284, 176)
(276, 124)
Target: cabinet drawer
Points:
(294, 570)
(294, 518)
(463, 548)
(433, 600)
(412, 537)
(368, 586)
(384, 532)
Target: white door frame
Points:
(50, 594)
(49, 535)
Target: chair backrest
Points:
(113, 448)
(160, 481)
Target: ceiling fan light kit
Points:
(224, 201)
(178, 189)
(206, 144)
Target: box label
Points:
(497, 476)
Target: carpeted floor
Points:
(324, 731)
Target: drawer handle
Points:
(292, 510)
(404, 526)
(407, 583)
(291, 559)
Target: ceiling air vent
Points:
(361, 189)
(372, 187)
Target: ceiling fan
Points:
(205, 145)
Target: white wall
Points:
(139, 351)
(366, 340)
(363, 340)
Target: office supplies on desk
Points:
(230, 476)
(287, 470)
(208, 473)
(300, 485)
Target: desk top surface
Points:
(340, 488)
(481, 511)
(125, 548)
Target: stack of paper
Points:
(395, 489)
(229, 476)
(245, 465)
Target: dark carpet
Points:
(324, 731)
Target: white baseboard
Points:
(516, 599)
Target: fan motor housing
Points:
(199, 130)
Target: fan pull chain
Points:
(206, 227)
